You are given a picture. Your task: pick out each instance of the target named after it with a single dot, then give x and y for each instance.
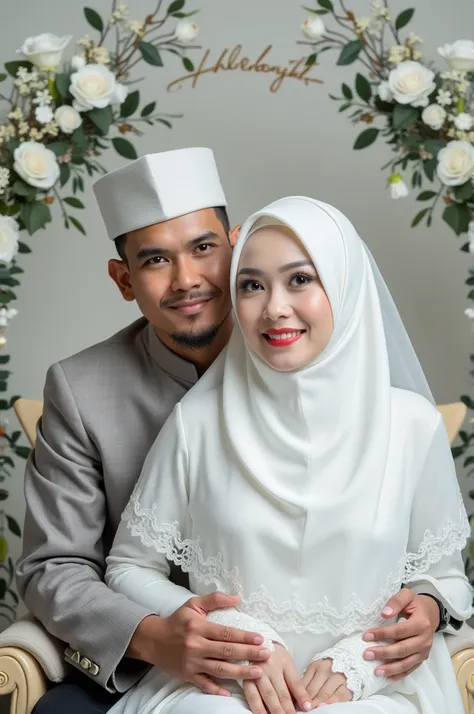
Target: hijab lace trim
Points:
(292, 615)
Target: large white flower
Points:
(9, 232)
(434, 116)
(186, 31)
(68, 118)
(459, 55)
(36, 165)
(313, 27)
(46, 50)
(93, 87)
(411, 83)
(455, 163)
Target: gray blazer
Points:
(103, 408)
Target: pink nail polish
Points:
(368, 637)
(369, 655)
(387, 611)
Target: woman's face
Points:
(282, 307)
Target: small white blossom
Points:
(43, 114)
(398, 187)
(84, 41)
(137, 26)
(6, 315)
(375, 32)
(363, 23)
(43, 98)
(414, 39)
(23, 89)
(464, 121)
(398, 53)
(23, 128)
(78, 62)
(380, 11)
(418, 55)
(16, 114)
(444, 98)
(434, 116)
(469, 312)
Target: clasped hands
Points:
(194, 650)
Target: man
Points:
(102, 411)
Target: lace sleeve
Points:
(347, 658)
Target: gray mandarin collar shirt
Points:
(103, 409)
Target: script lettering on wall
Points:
(232, 60)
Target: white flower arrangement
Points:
(61, 117)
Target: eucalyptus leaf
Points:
(12, 524)
(404, 116)
(429, 168)
(350, 52)
(13, 67)
(188, 64)
(468, 401)
(148, 109)
(363, 88)
(21, 188)
(130, 104)
(64, 174)
(94, 19)
(176, 6)
(59, 148)
(77, 224)
(419, 217)
(426, 196)
(404, 18)
(457, 216)
(62, 82)
(102, 118)
(124, 148)
(366, 138)
(35, 215)
(434, 146)
(3, 76)
(347, 91)
(150, 54)
(326, 4)
(311, 60)
(74, 202)
(464, 192)
(23, 248)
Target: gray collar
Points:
(171, 363)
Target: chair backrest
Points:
(28, 412)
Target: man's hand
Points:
(325, 686)
(273, 693)
(193, 650)
(412, 639)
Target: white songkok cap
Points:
(158, 187)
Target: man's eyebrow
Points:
(204, 236)
(153, 252)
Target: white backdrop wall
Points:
(267, 145)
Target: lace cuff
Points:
(347, 658)
(231, 617)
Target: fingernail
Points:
(264, 653)
(369, 655)
(258, 640)
(387, 611)
(255, 672)
(379, 673)
(307, 706)
(368, 637)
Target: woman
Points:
(308, 473)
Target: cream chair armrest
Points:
(22, 677)
(462, 640)
(461, 649)
(28, 635)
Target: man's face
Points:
(178, 272)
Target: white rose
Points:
(411, 83)
(459, 55)
(93, 87)
(68, 118)
(186, 31)
(434, 116)
(78, 62)
(9, 233)
(43, 115)
(45, 51)
(36, 165)
(464, 122)
(383, 90)
(313, 27)
(455, 163)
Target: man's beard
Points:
(196, 340)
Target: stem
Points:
(61, 204)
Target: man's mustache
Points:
(178, 299)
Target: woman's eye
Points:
(300, 280)
(249, 286)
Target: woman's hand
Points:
(325, 686)
(412, 639)
(279, 685)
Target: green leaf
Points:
(15, 436)
(464, 192)
(176, 6)
(326, 4)
(58, 147)
(4, 374)
(404, 18)
(311, 60)
(188, 64)
(457, 216)
(363, 88)
(74, 202)
(429, 168)
(366, 138)
(4, 359)
(12, 524)
(3, 588)
(434, 146)
(130, 104)
(347, 91)
(468, 461)
(344, 106)
(149, 109)
(3, 76)
(124, 148)
(62, 82)
(350, 52)
(102, 118)
(35, 215)
(77, 224)
(3, 497)
(64, 174)
(426, 195)
(404, 116)
(150, 54)
(165, 122)
(94, 19)
(20, 188)
(467, 401)
(11, 144)
(23, 248)
(457, 451)
(419, 217)
(13, 67)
